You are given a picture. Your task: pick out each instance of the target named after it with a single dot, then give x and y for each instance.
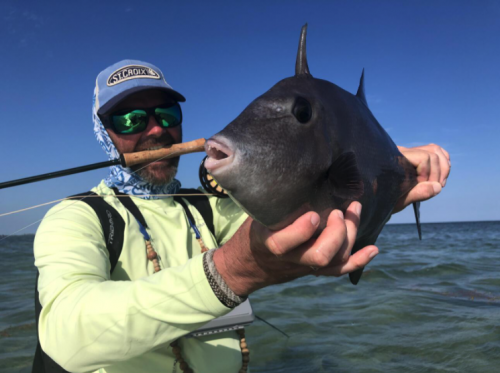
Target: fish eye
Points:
(302, 110)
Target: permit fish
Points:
(308, 145)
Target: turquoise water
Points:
(421, 306)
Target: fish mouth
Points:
(220, 155)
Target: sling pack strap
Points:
(131, 207)
(42, 363)
(113, 227)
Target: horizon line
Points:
(447, 222)
(436, 222)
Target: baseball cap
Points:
(126, 77)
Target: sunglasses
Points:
(129, 122)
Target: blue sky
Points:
(431, 76)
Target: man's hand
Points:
(257, 257)
(433, 167)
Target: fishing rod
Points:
(125, 160)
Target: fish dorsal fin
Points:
(301, 68)
(345, 178)
(361, 89)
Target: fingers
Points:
(435, 171)
(444, 163)
(300, 231)
(427, 164)
(320, 252)
(334, 243)
(292, 251)
(431, 161)
(433, 165)
(356, 261)
(421, 192)
(433, 148)
(352, 219)
(447, 155)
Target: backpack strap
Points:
(131, 207)
(201, 203)
(113, 227)
(42, 363)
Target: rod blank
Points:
(125, 160)
(52, 175)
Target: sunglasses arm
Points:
(132, 159)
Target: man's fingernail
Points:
(437, 188)
(373, 254)
(358, 208)
(314, 220)
(444, 182)
(339, 214)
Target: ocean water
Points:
(421, 306)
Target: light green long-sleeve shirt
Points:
(125, 322)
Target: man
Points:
(162, 288)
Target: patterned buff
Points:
(124, 179)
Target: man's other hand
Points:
(433, 168)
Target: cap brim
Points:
(108, 106)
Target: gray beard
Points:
(153, 180)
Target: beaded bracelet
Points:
(221, 290)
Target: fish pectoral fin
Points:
(345, 177)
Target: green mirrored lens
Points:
(132, 122)
(169, 117)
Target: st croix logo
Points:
(132, 72)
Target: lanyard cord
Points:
(153, 257)
(147, 237)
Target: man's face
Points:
(153, 137)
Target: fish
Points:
(308, 145)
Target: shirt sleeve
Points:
(228, 217)
(88, 321)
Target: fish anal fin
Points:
(416, 209)
(345, 178)
(356, 276)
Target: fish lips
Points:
(221, 156)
